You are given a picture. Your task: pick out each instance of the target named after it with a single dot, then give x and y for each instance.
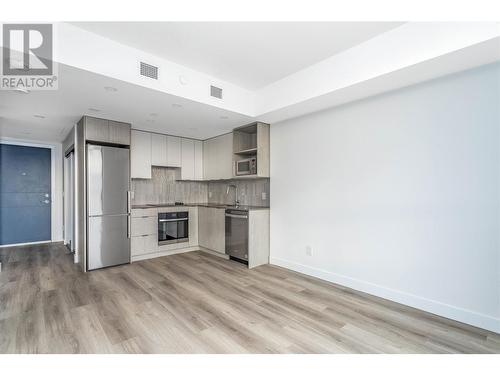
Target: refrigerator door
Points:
(107, 180)
(108, 242)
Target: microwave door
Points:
(244, 167)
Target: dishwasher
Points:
(237, 235)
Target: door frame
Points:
(53, 156)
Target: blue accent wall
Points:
(24, 185)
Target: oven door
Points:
(173, 227)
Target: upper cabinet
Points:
(173, 151)
(217, 157)
(252, 141)
(159, 150)
(140, 154)
(212, 159)
(191, 159)
(106, 131)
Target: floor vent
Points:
(216, 92)
(149, 71)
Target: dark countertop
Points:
(213, 205)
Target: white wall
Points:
(398, 196)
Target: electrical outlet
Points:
(264, 196)
(210, 194)
(309, 251)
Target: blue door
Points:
(24, 194)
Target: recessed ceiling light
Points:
(39, 116)
(21, 90)
(110, 89)
(175, 105)
(94, 110)
(183, 80)
(153, 114)
(150, 120)
(224, 117)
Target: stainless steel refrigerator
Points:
(108, 206)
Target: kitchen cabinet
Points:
(119, 132)
(187, 159)
(96, 129)
(165, 151)
(159, 150)
(211, 229)
(173, 151)
(191, 159)
(198, 160)
(140, 154)
(106, 131)
(218, 157)
(144, 225)
(145, 244)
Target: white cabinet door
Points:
(198, 160)
(143, 245)
(211, 229)
(225, 156)
(187, 159)
(173, 151)
(159, 150)
(140, 154)
(208, 159)
(218, 157)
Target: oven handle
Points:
(169, 220)
(237, 216)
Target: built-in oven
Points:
(246, 166)
(173, 227)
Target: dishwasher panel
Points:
(237, 235)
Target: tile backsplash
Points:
(250, 192)
(164, 188)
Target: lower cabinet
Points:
(211, 232)
(145, 244)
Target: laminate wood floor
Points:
(199, 303)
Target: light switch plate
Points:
(264, 196)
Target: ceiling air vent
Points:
(216, 92)
(149, 71)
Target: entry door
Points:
(25, 194)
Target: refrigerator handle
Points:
(129, 214)
(128, 225)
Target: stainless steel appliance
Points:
(173, 227)
(246, 166)
(237, 235)
(108, 206)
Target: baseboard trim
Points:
(163, 253)
(25, 244)
(459, 314)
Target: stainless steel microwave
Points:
(246, 166)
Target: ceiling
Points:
(248, 54)
(81, 91)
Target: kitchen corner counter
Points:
(210, 205)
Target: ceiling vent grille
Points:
(216, 92)
(149, 71)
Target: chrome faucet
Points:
(236, 202)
